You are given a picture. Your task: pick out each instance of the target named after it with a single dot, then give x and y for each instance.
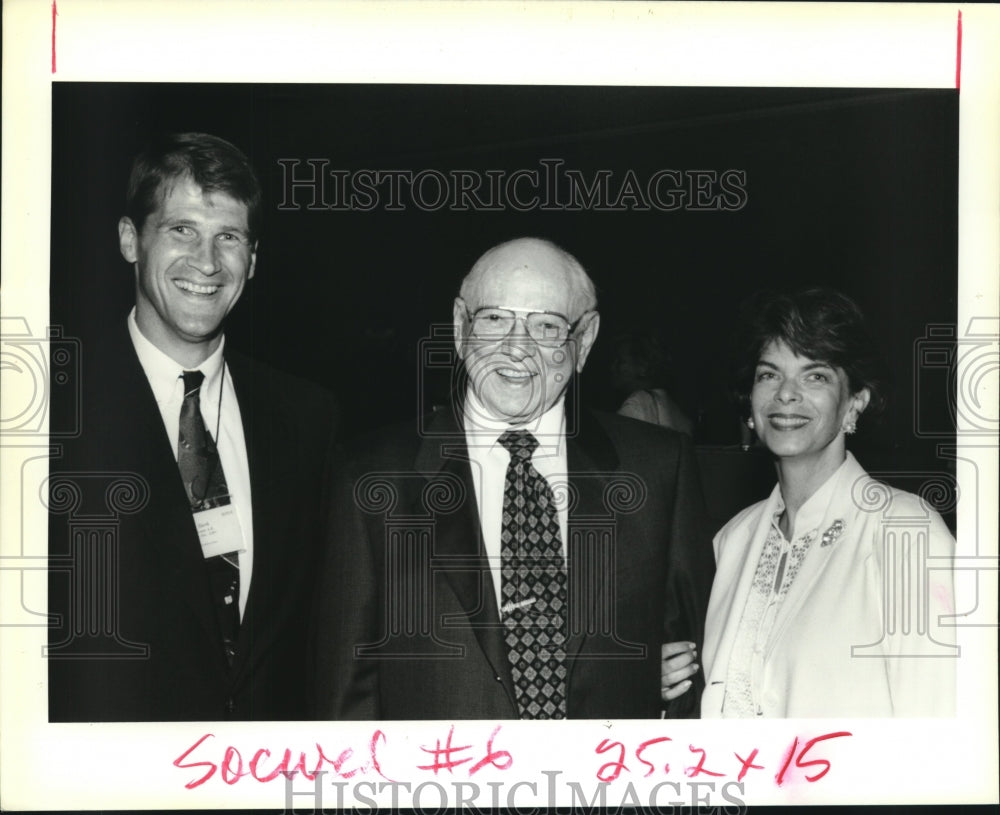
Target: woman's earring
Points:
(750, 423)
(850, 428)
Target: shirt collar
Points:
(483, 430)
(163, 372)
(829, 496)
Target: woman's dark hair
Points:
(212, 163)
(820, 324)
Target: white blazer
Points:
(860, 632)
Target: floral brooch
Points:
(834, 532)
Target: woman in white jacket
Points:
(828, 596)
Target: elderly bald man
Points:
(519, 557)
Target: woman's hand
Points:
(676, 668)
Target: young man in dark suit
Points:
(185, 516)
(512, 557)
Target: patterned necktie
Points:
(533, 584)
(201, 470)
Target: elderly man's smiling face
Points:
(519, 375)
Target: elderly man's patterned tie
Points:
(533, 584)
(205, 483)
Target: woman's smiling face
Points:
(800, 406)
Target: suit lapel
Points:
(168, 525)
(458, 536)
(591, 461)
(251, 414)
(264, 431)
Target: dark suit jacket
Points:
(138, 639)
(408, 624)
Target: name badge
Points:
(219, 531)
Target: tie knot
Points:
(192, 382)
(519, 443)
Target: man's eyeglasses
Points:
(547, 328)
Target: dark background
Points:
(851, 188)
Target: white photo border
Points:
(118, 766)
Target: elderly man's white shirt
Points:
(489, 460)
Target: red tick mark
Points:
(958, 56)
(54, 14)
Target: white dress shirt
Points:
(489, 459)
(221, 413)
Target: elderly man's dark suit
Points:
(160, 658)
(408, 621)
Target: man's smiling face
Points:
(192, 258)
(515, 378)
